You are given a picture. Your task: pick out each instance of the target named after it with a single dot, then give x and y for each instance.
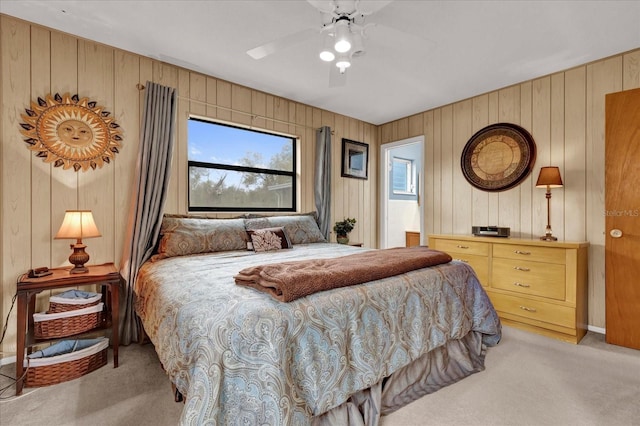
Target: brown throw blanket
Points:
(288, 281)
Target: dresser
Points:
(534, 285)
(412, 238)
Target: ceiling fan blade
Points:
(283, 43)
(336, 79)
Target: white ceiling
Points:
(421, 55)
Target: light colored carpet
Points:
(529, 380)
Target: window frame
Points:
(293, 174)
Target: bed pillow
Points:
(301, 229)
(181, 236)
(269, 239)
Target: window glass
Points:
(402, 176)
(237, 169)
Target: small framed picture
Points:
(355, 159)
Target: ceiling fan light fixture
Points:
(343, 36)
(326, 52)
(358, 46)
(343, 63)
(327, 55)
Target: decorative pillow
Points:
(183, 236)
(301, 229)
(268, 239)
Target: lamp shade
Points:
(78, 224)
(343, 37)
(326, 52)
(549, 177)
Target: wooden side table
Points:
(105, 275)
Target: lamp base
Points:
(548, 238)
(78, 258)
(78, 270)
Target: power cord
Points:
(6, 322)
(4, 332)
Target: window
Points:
(238, 169)
(403, 180)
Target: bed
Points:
(342, 356)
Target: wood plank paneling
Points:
(16, 177)
(564, 112)
(574, 178)
(96, 187)
(479, 199)
(126, 111)
(509, 200)
(631, 70)
(462, 221)
(528, 185)
(40, 171)
(36, 61)
(64, 185)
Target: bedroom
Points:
(565, 110)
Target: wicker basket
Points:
(72, 300)
(66, 360)
(63, 324)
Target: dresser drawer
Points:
(532, 253)
(535, 278)
(480, 265)
(465, 247)
(535, 310)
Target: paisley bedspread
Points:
(242, 357)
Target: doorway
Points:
(401, 191)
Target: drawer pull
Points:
(462, 260)
(521, 268)
(521, 285)
(462, 247)
(526, 253)
(524, 308)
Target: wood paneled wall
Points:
(35, 61)
(565, 114)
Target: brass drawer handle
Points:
(462, 260)
(521, 268)
(521, 285)
(462, 247)
(524, 308)
(526, 253)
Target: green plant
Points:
(343, 227)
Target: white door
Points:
(401, 191)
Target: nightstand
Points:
(104, 275)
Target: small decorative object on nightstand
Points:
(342, 229)
(78, 224)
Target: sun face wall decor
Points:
(71, 132)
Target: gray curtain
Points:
(149, 193)
(322, 184)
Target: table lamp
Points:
(78, 224)
(549, 177)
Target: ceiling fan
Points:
(342, 33)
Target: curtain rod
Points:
(140, 86)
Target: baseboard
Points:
(8, 360)
(595, 329)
